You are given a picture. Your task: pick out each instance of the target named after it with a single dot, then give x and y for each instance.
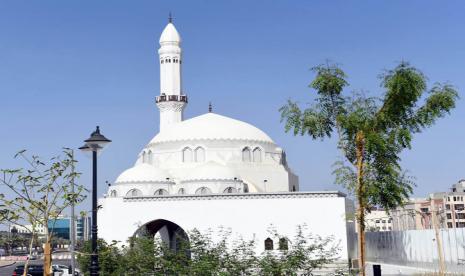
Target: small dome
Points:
(211, 171)
(211, 126)
(170, 34)
(143, 173)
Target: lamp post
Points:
(94, 144)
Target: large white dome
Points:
(211, 126)
(211, 171)
(143, 173)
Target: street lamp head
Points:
(96, 142)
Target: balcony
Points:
(171, 98)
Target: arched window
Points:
(283, 244)
(257, 155)
(143, 157)
(199, 154)
(203, 191)
(161, 192)
(149, 157)
(166, 60)
(268, 244)
(246, 188)
(181, 191)
(246, 155)
(134, 192)
(293, 188)
(186, 155)
(113, 193)
(229, 190)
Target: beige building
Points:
(417, 213)
(377, 220)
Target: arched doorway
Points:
(170, 233)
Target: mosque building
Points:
(212, 171)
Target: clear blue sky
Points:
(66, 66)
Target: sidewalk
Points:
(6, 263)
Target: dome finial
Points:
(170, 18)
(210, 107)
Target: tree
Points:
(372, 132)
(38, 194)
(110, 258)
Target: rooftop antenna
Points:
(210, 107)
(170, 18)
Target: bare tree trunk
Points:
(360, 144)
(47, 252)
(26, 265)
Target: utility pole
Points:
(73, 223)
(442, 267)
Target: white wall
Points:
(249, 215)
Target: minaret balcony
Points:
(171, 98)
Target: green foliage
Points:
(384, 127)
(200, 256)
(110, 258)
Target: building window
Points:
(134, 192)
(181, 191)
(449, 225)
(257, 155)
(458, 207)
(113, 193)
(283, 244)
(229, 190)
(377, 221)
(447, 206)
(246, 155)
(149, 157)
(143, 157)
(268, 244)
(449, 216)
(203, 191)
(199, 154)
(186, 155)
(293, 188)
(246, 188)
(161, 192)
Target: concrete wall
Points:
(249, 215)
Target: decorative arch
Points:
(257, 155)
(199, 154)
(161, 192)
(181, 191)
(187, 155)
(246, 156)
(230, 190)
(134, 193)
(170, 233)
(203, 191)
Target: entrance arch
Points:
(170, 233)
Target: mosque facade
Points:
(212, 171)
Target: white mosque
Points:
(211, 171)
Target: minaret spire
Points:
(172, 100)
(210, 107)
(170, 18)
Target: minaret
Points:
(171, 101)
